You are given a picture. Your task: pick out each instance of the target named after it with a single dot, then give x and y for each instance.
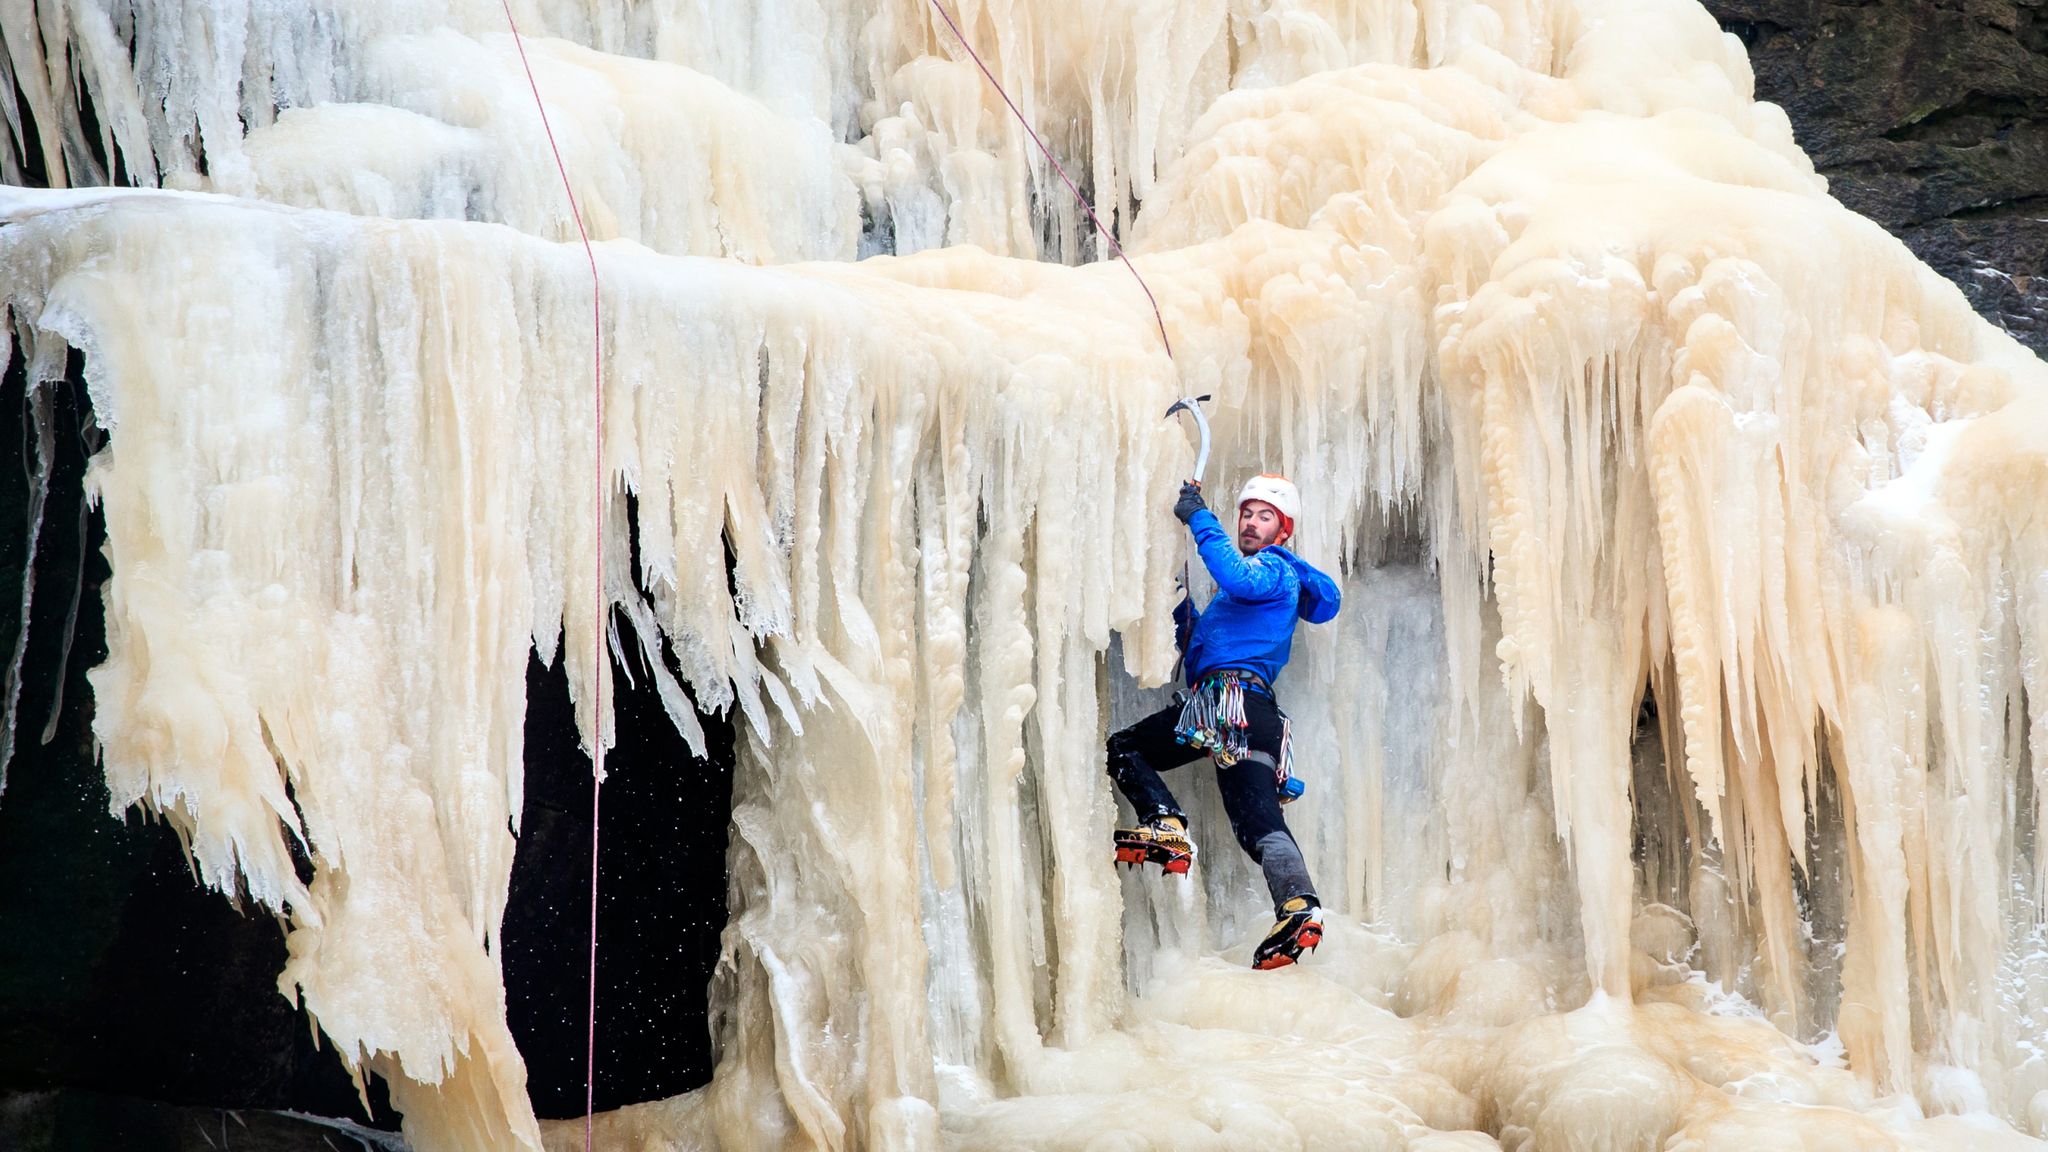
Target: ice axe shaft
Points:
(1193, 406)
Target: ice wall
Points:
(1596, 399)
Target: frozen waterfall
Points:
(1675, 773)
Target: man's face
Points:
(1258, 526)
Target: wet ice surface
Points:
(1591, 393)
(1373, 1044)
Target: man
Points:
(1233, 650)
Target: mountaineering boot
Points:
(1300, 926)
(1160, 839)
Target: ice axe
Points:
(1192, 405)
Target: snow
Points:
(1591, 392)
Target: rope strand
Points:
(1071, 187)
(598, 608)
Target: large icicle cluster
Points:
(1597, 401)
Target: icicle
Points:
(36, 474)
(90, 444)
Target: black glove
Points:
(1190, 501)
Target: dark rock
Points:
(1929, 117)
(79, 1121)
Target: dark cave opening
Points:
(661, 900)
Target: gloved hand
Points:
(1190, 501)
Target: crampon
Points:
(1299, 929)
(1162, 840)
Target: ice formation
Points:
(1593, 393)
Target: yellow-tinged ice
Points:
(1593, 394)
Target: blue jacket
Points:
(1250, 623)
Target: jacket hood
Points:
(1320, 598)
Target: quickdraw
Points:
(1213, 719)
(1290, 789)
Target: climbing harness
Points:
(1213, 720)
(598, 632)
(1071, 187)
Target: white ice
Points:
(1592, 392)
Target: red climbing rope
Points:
(1085, 206)
(598, 609)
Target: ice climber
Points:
(1232, 651)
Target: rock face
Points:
(1931, 118)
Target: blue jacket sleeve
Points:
(1253, 579)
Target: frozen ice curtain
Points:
(1593, 395)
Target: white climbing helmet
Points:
(1276, 490)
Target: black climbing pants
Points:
(1138, 754)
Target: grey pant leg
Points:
(1286, 872)
(1254, 809)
